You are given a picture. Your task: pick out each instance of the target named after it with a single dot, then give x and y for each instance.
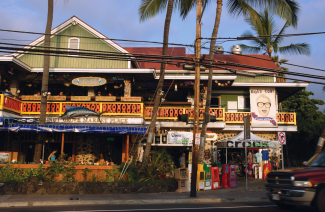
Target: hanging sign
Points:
(211, 137)
(263, 106)
(282, 137)
(89, 81)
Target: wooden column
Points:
(74, 151)
(62, 143)
(127, 147)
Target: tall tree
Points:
(286, 9)
(278, 62)
(45, 80)
(309, 121)
(321, 139)
(147, 6)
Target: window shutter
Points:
(73, 45)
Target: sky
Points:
(120, 19)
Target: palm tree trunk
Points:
(208, 100)
(45, 80)
(321, 141)
(160, 86)
(46, 68)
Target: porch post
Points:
(127, 88)
(74, 151)
(127, 148)
(62, 143)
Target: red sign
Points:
(282, 137)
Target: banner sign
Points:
(105, 120)
(263, 107)
(89, 81)
(250, 144)
(180, 138)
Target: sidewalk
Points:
(238, 194)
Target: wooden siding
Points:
(36, 61)
(256, 79)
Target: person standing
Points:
(51, 157)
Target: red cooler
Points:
(215, 178)
(232, 176)
(224, 182)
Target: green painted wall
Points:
(256, 79)
(229, 97)
(36, 61)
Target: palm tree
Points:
(147, 9)
(45, 80)
(268, 45)
(286, 9)
(278, 63)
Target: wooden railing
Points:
(173, 112)
(282, 117)
(130, 109)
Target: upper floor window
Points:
(73, 46)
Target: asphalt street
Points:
(227, 207)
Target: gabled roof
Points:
(72, 21)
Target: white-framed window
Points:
(73, 46)
(232, 106)
(243, 102)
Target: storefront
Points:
(259, 151)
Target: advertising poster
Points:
(4, 157)
(180, 138)
(263, 107)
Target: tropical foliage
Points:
(263, 42)
(301, 144)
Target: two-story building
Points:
(117, 86)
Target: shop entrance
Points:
(176, 153)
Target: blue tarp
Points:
(82, 128)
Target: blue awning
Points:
(79, 128)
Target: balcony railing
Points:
(59, 108)
(173, 112)
(130, 109)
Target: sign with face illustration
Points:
(263, 107)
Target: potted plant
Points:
(62, 157)
(69, 159)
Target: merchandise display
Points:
(258, 157)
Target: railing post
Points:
(60, 113)
(2, 101)
(100, 107)
(142, 109)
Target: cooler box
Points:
(215, 183)
(232, 176)
(207, 184)
(200, 177)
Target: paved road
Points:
(227, 207)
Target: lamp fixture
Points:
(67, 84)
(29, 84)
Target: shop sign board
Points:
(105, 120)
(80, 98)
(180, 138)
(89, 81)
(250, 144)
(4, 157)
(211, 137)
(263, 107)
(131, 99)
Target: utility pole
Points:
(196, 97)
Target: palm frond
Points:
(254, 40)
(150, 8)
(250, 49)
(242, 8)
(299, 48)
(279, 38)
(285, 9)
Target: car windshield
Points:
(317, 160)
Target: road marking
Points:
(166, 209)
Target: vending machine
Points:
(181, 175)
(207, 171)
(232, 176)
(225, 172)
(215, 184)
(200, 177)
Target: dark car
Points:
(299, 186)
